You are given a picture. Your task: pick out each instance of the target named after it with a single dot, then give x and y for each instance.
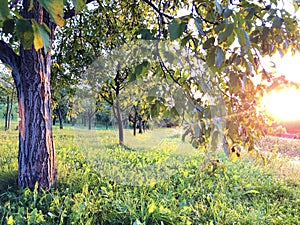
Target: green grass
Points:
(156, 179)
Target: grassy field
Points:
(156, 179)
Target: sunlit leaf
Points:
(252, 192)
(151, 208)
(55, 9)
(41, 37)
(224, 35)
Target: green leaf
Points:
(219, 57)
(227, 12)
(186, 39)
(10, 220)
(141, 68)
(228, 31)
(209, 43)
(41, 37)
(221, 26)
(244, 39)
(79, 5)
(8, 26)
(277, 23)
(151, 208)
(146, 34)
(24, 32)
(55, 9)
(235, 82)
(4, 10)
(210, 57)
(176, 28)
(252, 192)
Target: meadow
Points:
(155, 179)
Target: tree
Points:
(33, 24)
(258, 28)
(7, 93)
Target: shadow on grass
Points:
(8, 181)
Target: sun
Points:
(283, 105)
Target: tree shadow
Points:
(8, 181)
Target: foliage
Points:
(230, 38)
(87, 196)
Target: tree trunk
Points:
(90, 122)
(120, 122)
(84, 120)
(54, 121)
(74, 121)
(37, 161)
(31, 73)
(6, 113)
(60, 118)
(10, 108)
(134, 128)
(140, 125)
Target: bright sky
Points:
(283, 105)
(289, 66)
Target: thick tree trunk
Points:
(120, 122)
(37, 162)
(31, 73)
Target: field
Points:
(156, 179)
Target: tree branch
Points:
(157, 10)
(8, 56)
(71, 13)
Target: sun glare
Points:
(283, 104)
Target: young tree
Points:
(7, 93)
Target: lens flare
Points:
(283, 105)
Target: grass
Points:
(156, 179)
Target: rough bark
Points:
(31, 73)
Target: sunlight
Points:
(283, 105)
(288, 65)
